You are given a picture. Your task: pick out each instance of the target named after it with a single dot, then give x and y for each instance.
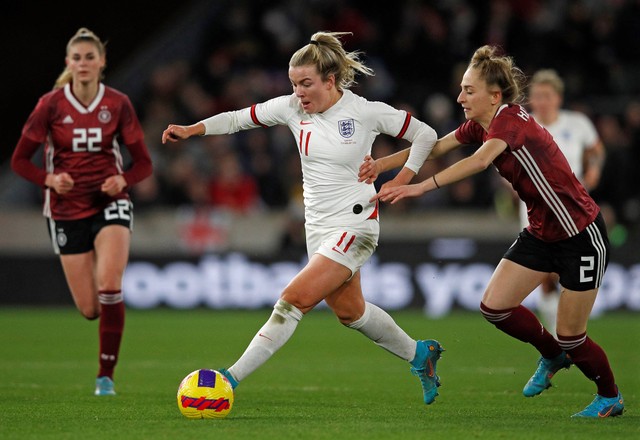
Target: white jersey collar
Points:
(502, 107)
(78, 105)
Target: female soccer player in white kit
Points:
(334, 130)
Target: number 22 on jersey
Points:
(87, 139)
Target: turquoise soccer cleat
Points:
(541, 379)
(104, 386)
(424, 366)
(602, 407)
(225, 373)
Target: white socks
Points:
(273, 335)
(377, 325)
(548, 308)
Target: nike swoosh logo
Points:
(305, 122)
(431, 373)
(606, 413)
(266, 337)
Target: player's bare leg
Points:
(112, 254)
(79, 273)
(501, 305)
(315, 282)
(348, 303)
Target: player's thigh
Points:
(347, 301)
(550, 283)
(319, 278)
(78, 270)
(510, 284)
(112, 254)
(574, 309)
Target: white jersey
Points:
(332, 145)
(574, 133)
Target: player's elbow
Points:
(479, 163)
(18, 165)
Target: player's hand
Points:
(113, 185)
(61, 183)
(174, 133)
(394, 194)
(369, 171)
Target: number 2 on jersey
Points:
(588, 267)
(87, 139)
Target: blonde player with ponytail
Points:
(566, 232)
(334, 130)
(82, 124)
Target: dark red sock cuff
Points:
(571, 342)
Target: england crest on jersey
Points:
(346, 127)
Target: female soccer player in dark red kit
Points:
(566, 233)
(89, 215)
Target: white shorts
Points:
(350, 246)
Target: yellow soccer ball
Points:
(205, 394)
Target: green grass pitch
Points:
(328, 382)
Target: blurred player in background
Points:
(566, 232)
(89, 215)
(578, 140)
(334, 130)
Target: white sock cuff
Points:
(109, 298)
(287, 309)
(358, 323)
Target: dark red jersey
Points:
(83, 141)
(558, 206)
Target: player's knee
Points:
(346, 317)
(346, 313)
(345, 320)
(487, 312)
(90, 313)
(298, 301)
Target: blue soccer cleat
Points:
(424, 366)
(225, 373)
(104, 386)
(541, 379)
(602, 407)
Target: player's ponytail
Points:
(325, 51)
(82, 35)
(499, 71)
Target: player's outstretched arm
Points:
(174, 133)
(371, 168)
(444, 145)
(479, 161)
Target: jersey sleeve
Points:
(400, 124)
(470, 133)
(508, 127)
(589, 133)
(276, 111)
(37, 126)
(21, 161)
(141, 167)
(129, 128)
(34, 134)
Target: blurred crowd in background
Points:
(419, 50)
